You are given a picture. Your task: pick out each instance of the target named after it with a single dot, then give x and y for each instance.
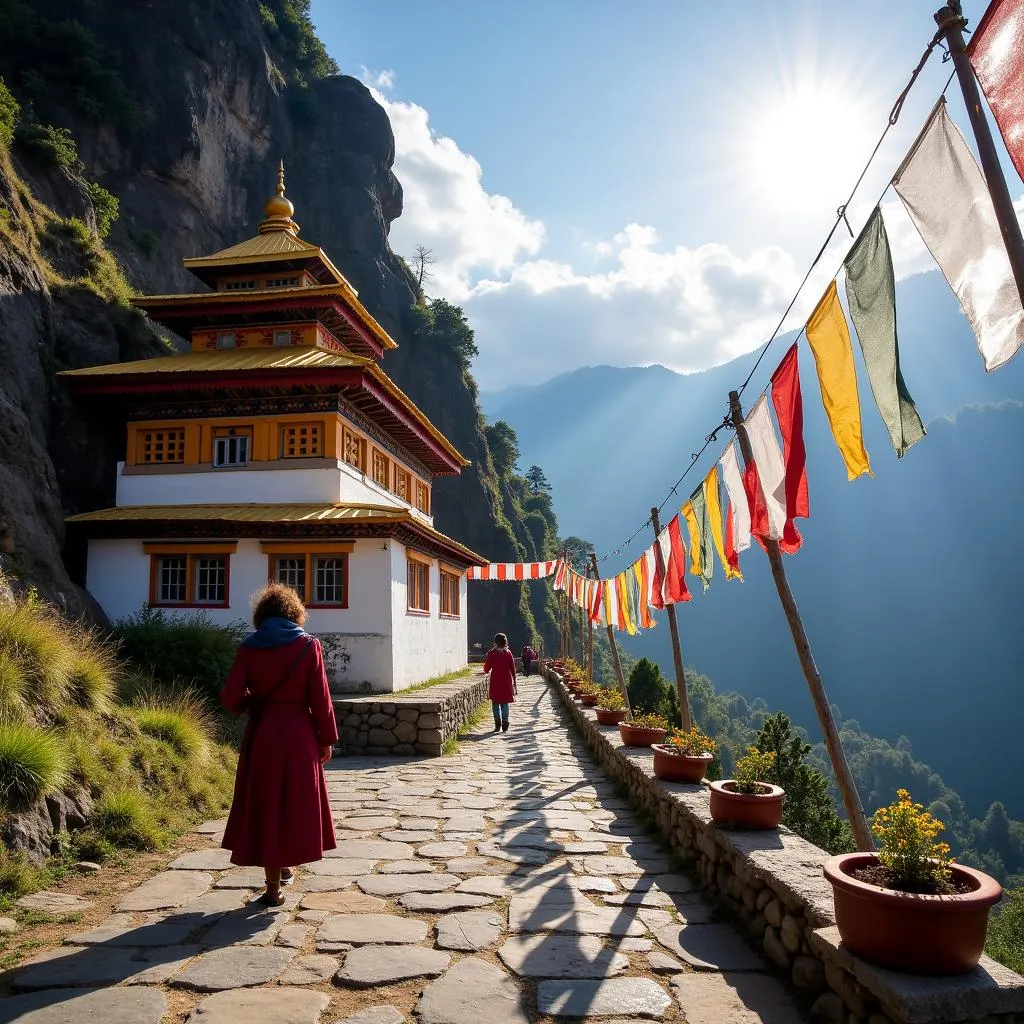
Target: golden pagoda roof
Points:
(255, 361)
(294, 357)
(271, 514)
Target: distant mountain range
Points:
(910, 584)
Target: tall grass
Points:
(125, 818)
(13, 688)
(32, 764)
(180, 719)
(93, 674)
(40, 644)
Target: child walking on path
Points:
(501, 664)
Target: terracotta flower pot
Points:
(907, 931)
(752, 810)
(588, 700)
(606, 717)
(634, 736)
(672, 767)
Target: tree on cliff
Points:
(537, 480)
(577, 552)
(504, 446)
(443, 326)
(422, 261)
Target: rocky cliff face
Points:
(217, 106)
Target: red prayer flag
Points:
(675, 571)
(657, 591)
(759, 526)
(731, 554)
(997, 52)
(789, 409)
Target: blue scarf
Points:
(274, 633)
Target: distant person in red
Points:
(529, 657)
(280, 815)
(501, 664)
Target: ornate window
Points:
(354, 450)
(319, 573)
(282, 339)
(227, 340)
(172, 580)
(282, 282)
(418, 586)
(155, 447)
(231, 446)
(423, 497)
(381, 469)
(403, 484)
(302, 440)
(189, 578)
(236, 286)
(449, 594)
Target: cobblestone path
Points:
(506, 884)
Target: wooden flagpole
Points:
(844, 777)
(583, 645)
(951, 23)
(611, 641)
(590, 639)
(673, 629)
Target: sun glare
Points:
(806, 146)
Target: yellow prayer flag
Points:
(829, 338)
(620, 586)
(693, 529)
(644, 611)
(713, 504)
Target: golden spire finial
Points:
(278, 209)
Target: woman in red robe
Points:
(280, 815)
(501, 664)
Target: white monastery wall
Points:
(375, 644)
(429, 645)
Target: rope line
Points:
(894, 116)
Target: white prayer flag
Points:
(733, 480)
(771, 469)
(945, 194)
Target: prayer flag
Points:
(789, 410)
(611, 613)
(642, 590)
(597, 601)
(699, 528)
(621, 606)
(997, 52)
(661, 557)
(713, 503)
(654, 581)
(945, 194)
(764, 479)
(670, 542)
(829, 338)
(871, 293)
(738, 515)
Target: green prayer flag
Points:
(871, 293)
(700, 513)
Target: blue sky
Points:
(605, 183)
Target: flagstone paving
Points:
(507, 884)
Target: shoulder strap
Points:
(287, 675)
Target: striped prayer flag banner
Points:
(512, 571)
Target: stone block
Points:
(429, 720)
(406, 732)
(430, 749)
(407, 714)
(429, 735)
(829, 1009)
(808, 974)
(775, 949)
(403, 749)
(773, 913)
(791, 933)
(382, 738)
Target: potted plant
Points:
(588, 694)
(747, 799)
(684, 756)
(611, 707)
(643, 730)
(908, 907)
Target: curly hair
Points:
(276, 601)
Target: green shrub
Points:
(32, 764)
(1005, 941)
(104, 205)
(41, 645)
(183, 723)
(125, 818)
(9, 111)
(50, 145)
(13, 688)
(185, 648)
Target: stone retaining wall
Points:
(773, 883)
(414, 723)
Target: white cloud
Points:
(470, 230)
(382, 81)
(628, 300)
